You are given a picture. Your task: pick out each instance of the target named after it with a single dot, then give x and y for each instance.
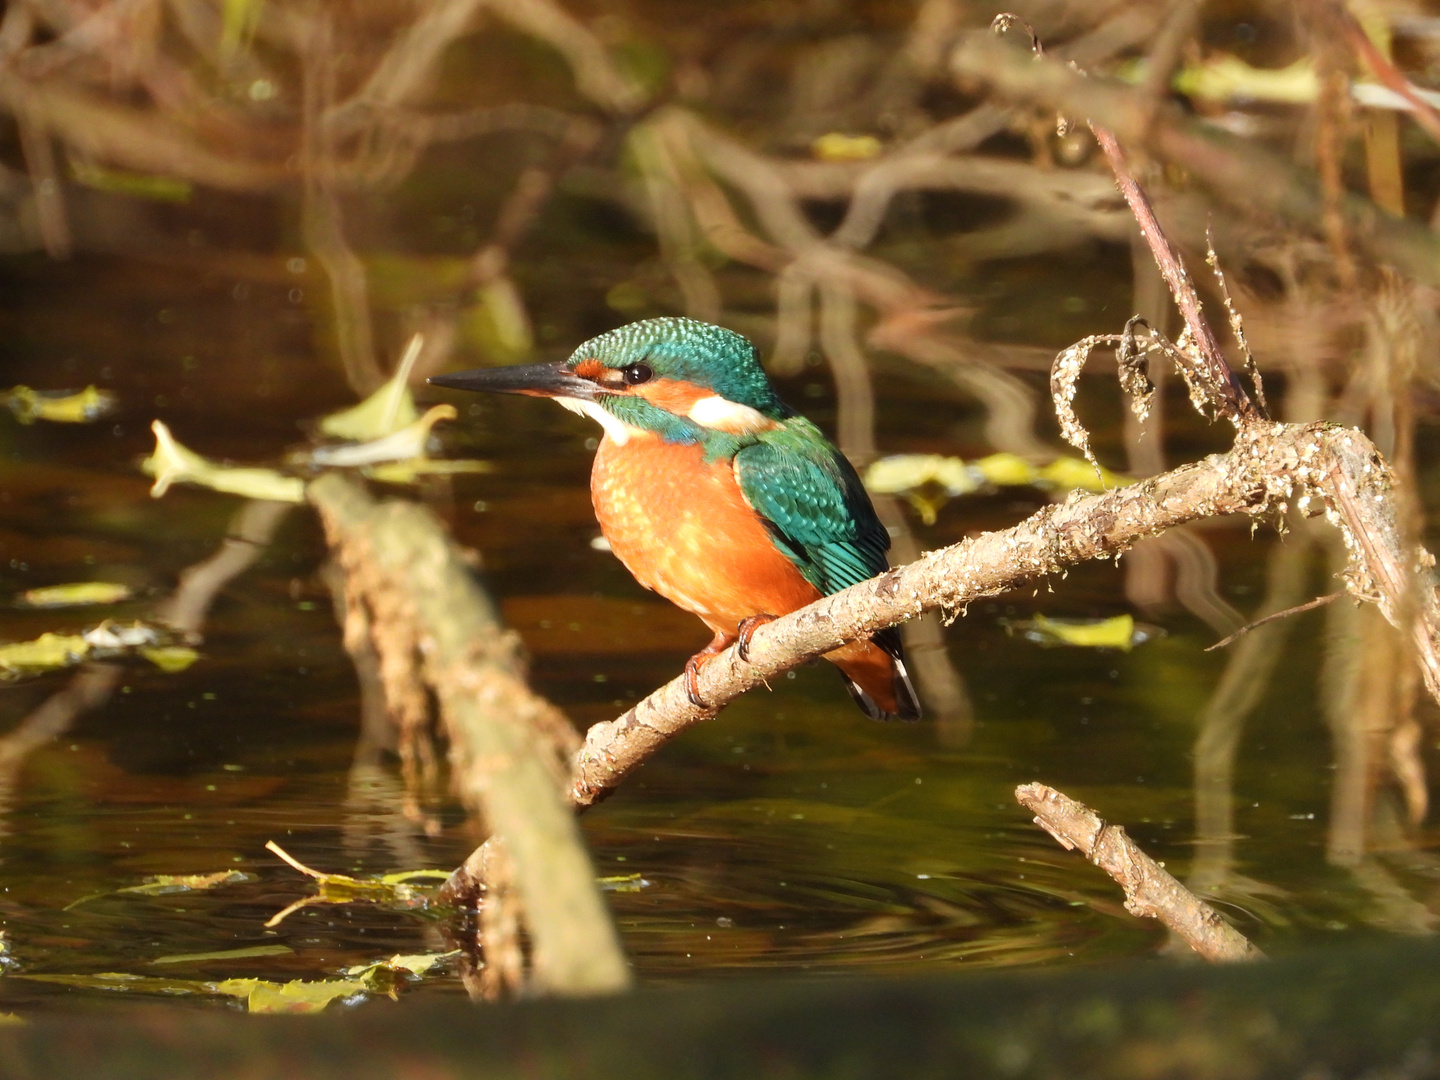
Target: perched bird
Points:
(717, 495)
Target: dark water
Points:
(789, 834)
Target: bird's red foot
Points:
(746, 630)
(718, 644)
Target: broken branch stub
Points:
(1150, 890)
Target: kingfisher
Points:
(716, 494)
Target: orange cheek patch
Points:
(673, 395)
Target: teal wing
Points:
(814, 506)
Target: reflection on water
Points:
(789, 834)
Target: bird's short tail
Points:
(875, 675)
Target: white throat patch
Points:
(721, 414)
(618, 431)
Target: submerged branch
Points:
(398, 557)
(1150, 890)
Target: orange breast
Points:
(683, 529)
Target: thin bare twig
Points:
(1311, 605)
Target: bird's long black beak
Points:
(536, 380)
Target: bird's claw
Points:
(746, 630)
(692, 681)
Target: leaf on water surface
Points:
(168, 884)
(50, 651)
(291, 997)
(226, 954)
(1072, 474)
(626, 883)
(76, 594)
(171, 658)
(162, 884)
(403, 877)
(413, 964)
(58, 407)
(386, 411)
(1119, 632)
(172, 463)
(929, 480)
(408, 472)
(409, 442)
(260, 996)
(344, 889)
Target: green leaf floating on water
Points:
(408, 472)
(1120, 632)
(246, 953)
(59, 406)
(414, 964)
(48, 652)
(260, 995)
(409, 442)
(171, 658)
(51, 652)
(928, 481)
(901, 473)
(76, 594)
(172, 463)
(394, 889)
(384, 412)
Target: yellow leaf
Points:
(161, 884)
(291, 997)
(172, 463)
(344, 889)
(408, 442)
(416, 964)
(837, 146)
(59, 407)
(906, 472)
(386, 411)
(625, 883)
(1006, 470)
(1114, 633)
(1070, 473)
(1228, 78)
(408, 472)
(45, 653)
(171, 658)
(76, 594)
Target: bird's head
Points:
(678, 378)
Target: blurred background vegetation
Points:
(233, 214)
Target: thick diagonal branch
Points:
(1269, 466)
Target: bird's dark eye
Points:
(635, 374)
